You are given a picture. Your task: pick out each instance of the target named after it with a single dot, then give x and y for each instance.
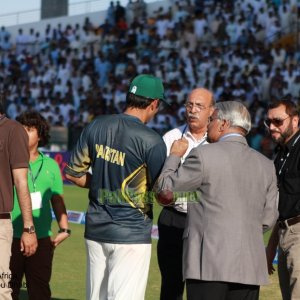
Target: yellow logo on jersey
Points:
(109, 154)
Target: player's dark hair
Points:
(290, 107)
(133, 100)
(33, 119)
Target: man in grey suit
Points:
(236, 200)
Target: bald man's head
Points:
(199, 107)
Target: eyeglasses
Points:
(276, 121)
(197, 107)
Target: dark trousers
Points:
(169, 254)
(216, 290)
(37, 269)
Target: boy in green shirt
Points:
(45, 186)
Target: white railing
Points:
(75, 8)
(18, 18)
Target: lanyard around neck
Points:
(34, 178)
(184, 130)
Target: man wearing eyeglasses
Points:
(282, 122)
(199, 107)
(232, 193)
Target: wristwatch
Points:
(68, 231)
(30, 229)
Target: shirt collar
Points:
(287, 147)
(225, 136)
(133, 118)
(187, 132)
(40, 157)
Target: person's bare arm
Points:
(28, 240)
(60, 212)
(271, 248)
(83, 181)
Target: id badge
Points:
(36, 200)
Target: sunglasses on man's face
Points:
(276, 122)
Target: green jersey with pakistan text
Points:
(125, 157)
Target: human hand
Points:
(270, 253)
(28, 243)
(179, 147)
(165, 198)
(60, 238)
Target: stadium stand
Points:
(241, 50)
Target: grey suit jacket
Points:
(237, 197)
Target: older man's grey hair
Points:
(236, 113)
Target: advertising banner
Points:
(62, 159)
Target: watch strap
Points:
(30, 229)
(68, 231)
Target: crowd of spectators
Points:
(245, 50)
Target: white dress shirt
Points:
(176, 134)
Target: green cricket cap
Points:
(147, 86)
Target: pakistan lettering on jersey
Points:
(125, 158)
(109, 154)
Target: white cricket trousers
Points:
(117, 271)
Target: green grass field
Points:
(68, 275)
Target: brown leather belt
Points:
(288, 222)
(4, 215)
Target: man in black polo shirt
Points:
(282, 122)
(125, 158)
